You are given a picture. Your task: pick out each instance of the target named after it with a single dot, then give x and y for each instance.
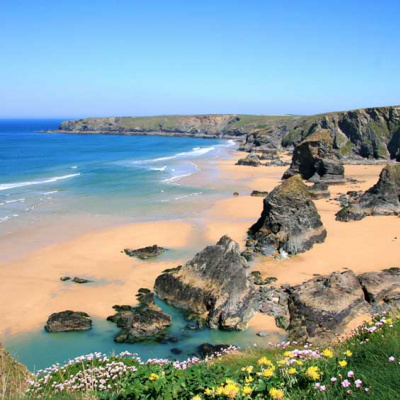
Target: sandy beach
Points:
(32, 290)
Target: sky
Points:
(93, 58)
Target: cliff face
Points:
(369, 132)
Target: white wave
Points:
(52, 192)
(74, 167)
(159, 169)
(15, 201)
(178, 177)
(7, 186)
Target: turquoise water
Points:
(52, 184)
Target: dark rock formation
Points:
(289, 221)
(251, 160)
(143, 322)
(216, 281)
(145, 252)
(381, 199)
(319, 190)
(68, 321)
(315, 159)
(259, 193)
(274, 302)
(80, 280)
(207, 349)
(319, 306)
(65, 278)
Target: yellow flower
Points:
(343, 363)
(219, 390)
(264, 361)
(153, 377)
(247, 390)
(370, 323)
(248, 379)
(231, 390)
(288, 354)
(328, 353)
(388, 321)
(268, 372)
(348, 353)
(282, 362)
(312, 372)
(276, 394)
(248, 369)
(292, 371)
(299, 362)
(209, 392)
(229, 381)
(197, 397)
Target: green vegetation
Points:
(365, 365)
(347, 149)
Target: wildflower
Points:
(197, 397)
(328, 353)
(350, 374)
(348, 353)
(231, 390)
(299, 362)
(153, 377)
(322, 388)
(358, 383)
(276, 394)
(264, 361)
(209, 392)
(247, 390)
(312, 372)
(343, 363)
(281, 362)
(346, 383)
(268, 372)
(391, 359)
(248, 369)
(388, 321)
(288, 354)
(292, 371)
(248, 379)
(229, 381)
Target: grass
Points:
(360, 367)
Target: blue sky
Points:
(70, 58)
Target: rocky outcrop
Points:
(319, 191)
(65, 321)
(315, 159)
(259, 193)
(215, 282)
(381, 199)
(144, 322)
(207, 349)
(289, 221)
(251, 160)
(319, 306)
(145, 252)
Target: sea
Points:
(54, 187)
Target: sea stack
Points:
(216, 282)
(315, 159)
(289, 221)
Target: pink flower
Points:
(358, 383)
(350, 374)
(333, 379)
(346, 383)
(391, 359)
(322, 388)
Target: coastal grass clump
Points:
(364, 365)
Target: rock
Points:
(319, 190)
(144, 322)
(65, 278)
(381, 199)
(207, 349)
(80, 280)
(215, 282)
(176, 351)
(259, 193)
(274, 302)
(319, 307)
(192, 327)
(251, 160)
(145, 252)
(314, 159)
(236, 194)
(262, 333)
(289, 221)
(383, 286)
(66, 321)
(173, 339)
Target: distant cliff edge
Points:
(368, 132)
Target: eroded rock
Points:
(68, 320)
(145, 252)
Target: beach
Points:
(32, 290)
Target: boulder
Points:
(319, 190)
(65, 321)
(319, 307)
(145, 252)
(289, 221)
(258, 193)
(314, 158)
(207, 349)
(144, 322)
(381, 199)
(65, 278)
(251, 160)
(215, 282)
(80, 280)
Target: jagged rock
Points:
(319, 190)
(207, 349)
(259, 193)
(80, 280)
(381, 199)
(320, 306)
(65, 278)
(143, 322)
(289, 221)
(145, 252)
(274, 302)
(216, 281)
(251, 160)
(315, 159)
(383, 286)
(65, 321)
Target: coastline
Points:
(34, 278)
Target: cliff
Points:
(369, 132)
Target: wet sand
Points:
(31, 288)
